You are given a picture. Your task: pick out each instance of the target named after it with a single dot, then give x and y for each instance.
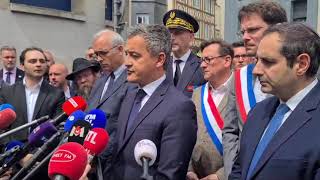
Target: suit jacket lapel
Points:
(44, 89)
(189, 69)
(1, 74)
(298, 118)
(22, 99)
(259, 126)
(121, 79)
(169, 71)
(150, 105)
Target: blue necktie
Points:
(136, 107)
(8, 77)
(272, 128)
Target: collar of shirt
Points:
(35, 87)
(67, 93)
(293, 102)
(224, 87)
(184, 58)
(118, 71)
(151, 87)
(13, 71)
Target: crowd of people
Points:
(242, 110)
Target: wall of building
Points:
(66, 34)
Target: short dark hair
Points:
(23, 53)
(270, 12)
(224, 47)
(237, 44)
(298, 38)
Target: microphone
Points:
(7, 116)
(10, 149)
(6, 106)
(145, 153)
(95, 142)
(41, 152)
(68, 107)
(74, 117)
(96, 118)
(71, 105)
(69, 161)
(41, 134)
(79, 131)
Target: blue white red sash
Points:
(211, 117)
(245, 97)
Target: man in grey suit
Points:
(156, 111)
(254, 19)
(109, 90)
(183, 69)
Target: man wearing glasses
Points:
(241, 58)
(211, 100)
(183, 69)
(108, 91)
(254, 19)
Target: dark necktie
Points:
(271, 130)
(177, 74)
(8, 77)
(136, 107)
(111, 81)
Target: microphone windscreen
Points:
(74, 117)
(79, 131)
(69, 160)
(6, 106)
(145, 148)
(13, 144)
(73, 104)
(96, 118)
(96, 141)
(7, 116)
(41, 134)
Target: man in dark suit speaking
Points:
(156, 110)
(281, 137)
(33, 97)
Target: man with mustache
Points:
(254, 19)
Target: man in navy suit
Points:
(10, 73)
(156, 111)
(183, 69)
(281, 137)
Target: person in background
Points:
(211, 100)
(240, 58)
(10, 74)
(57, 78)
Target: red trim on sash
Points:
(239, 97)
(215, 111)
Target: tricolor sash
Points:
(245, 97)
(211, 117)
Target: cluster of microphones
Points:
(67, 142)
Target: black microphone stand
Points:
(145, 175)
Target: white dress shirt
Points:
(184, 59)
(218, 93)
(32, 94)
(150, 88)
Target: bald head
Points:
(108, 46)
(57, 76)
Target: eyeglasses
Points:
(102, 53)
(250, 31)
(209, 59)
(240, 56)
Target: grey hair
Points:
(157, 38)
(7, 48)
(116, 38)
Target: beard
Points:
(84, 92)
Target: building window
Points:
(197, 35)
(109, 10)
(208, 6)
(142, 19)
(299, 10)
(196, 3)
(63, 5)
(208, 33)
